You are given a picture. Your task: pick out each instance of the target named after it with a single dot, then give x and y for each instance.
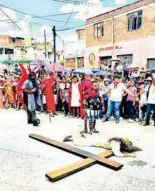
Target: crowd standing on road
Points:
(89, 96)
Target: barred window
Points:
(134, 21)
(1, 51)
(98, 30)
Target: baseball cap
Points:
(149, 79)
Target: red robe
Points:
(1, 94)
(81, 98)
(47, 85)
(23, 78)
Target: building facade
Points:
(17, 48)
(81, 34)
(74, 54)
(126, 34)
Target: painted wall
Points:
(141, 49)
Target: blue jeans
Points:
(113, 106)
(130, 107)
(149, 108)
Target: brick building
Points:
(126, 34)
(81, 34)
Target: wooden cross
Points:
(90, 159)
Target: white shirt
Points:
(117, 93)
(62, 86)
(143, 98)
(75, 101)
(151, 97)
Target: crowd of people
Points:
(90, 97)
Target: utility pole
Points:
(14, 53)
(45, 44)
(63, 43)
(54, 43)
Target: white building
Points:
(74, 53)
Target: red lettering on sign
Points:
(109, 48)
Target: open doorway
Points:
(105, 61)
(126, 61)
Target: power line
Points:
(77, 2)
(59, 37)
(69, 17)
(19, 20)
(10, 19)
(70, 1)
(59, 14)
(36, 23)
(70, 28)
(32, 15)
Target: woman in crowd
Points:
(1, 91)
(9, 94)
(131, 101)
(116, 90)
(64, 96)
(75, 97)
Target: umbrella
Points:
(58, 68)
(34, 64)
(49, 68)
(103, 73)
(95, 70)
(83, 71)
(153, 69)
(55, 68)
(68, 71)
(38, 63)
(133, 66)
(45, 62)
(100, 73)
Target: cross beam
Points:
(75, 167)
(92, 158)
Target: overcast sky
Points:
(30, 26)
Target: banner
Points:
(38, 63)
(28, 41)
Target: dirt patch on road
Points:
(139, 163)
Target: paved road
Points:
(24, 162)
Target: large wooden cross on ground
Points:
(90, 159)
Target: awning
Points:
(14, 62)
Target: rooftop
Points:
(121, 10)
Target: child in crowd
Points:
(131, 102)
(65, 99)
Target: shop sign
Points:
(109, 48)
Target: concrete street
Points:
(24, 162)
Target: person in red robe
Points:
(56, 90)
(1, 91)
(20, 83)
(86, 89)
(46, 86)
